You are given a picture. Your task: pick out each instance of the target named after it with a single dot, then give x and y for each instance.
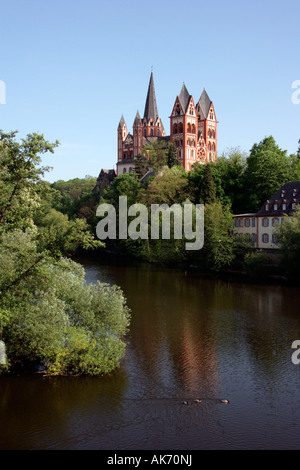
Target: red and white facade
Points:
(193, 131)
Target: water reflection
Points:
(189, 338)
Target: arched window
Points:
(158, 132)
(193, 130)
(209, 146)
(213, 147)
(209, 133)
(151, 132)
(180, 128)
(189, 127)
(124, 170)
(175, 128)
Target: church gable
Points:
(193, 130)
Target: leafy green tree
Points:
(209, 189)
(288, 236)
(47, 313)
(74, 195)
(127, 184)
(52, 316)
(218, 251)
(20, 171)
(172, 156)
(228, 176)
(169, 186)
(268, 168)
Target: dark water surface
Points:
(190, 338)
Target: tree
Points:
(228, 174)
(52, 317)
(288, 236)
(268, 168)
(209, 189)
(218, 250)
(169, 186)
(20, 171)
(47, 313)
(172, 156)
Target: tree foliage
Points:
(288, 236)
(47, 312)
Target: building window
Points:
(241, 223)
(265, 222)
(275, 221)
(267, 206)
(158, 133)
(284, 206)
(247, 222)
(253, 237)
(237, 222)
(274, 239)
(253, 222)
(265, 238)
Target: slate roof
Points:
(151, 106)
(137, 119)
(288, 194)
(204, 103)
(184, 98)
(122, 122)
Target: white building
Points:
(260, 226)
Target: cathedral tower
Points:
(207, 129)
(184, 128)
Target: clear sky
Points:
(71, 69)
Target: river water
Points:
(190, 338)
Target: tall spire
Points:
(184, 98)
(151, 106)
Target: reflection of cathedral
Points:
(193, 130)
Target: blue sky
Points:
(72, 68)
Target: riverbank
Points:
(270, 273)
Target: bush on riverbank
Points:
(47, 313)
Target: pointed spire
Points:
(184, 98)
(137, 119)
(204, 103)
(151, 106)
(122, 122)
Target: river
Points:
(190, 339)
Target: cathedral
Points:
(193, 130)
